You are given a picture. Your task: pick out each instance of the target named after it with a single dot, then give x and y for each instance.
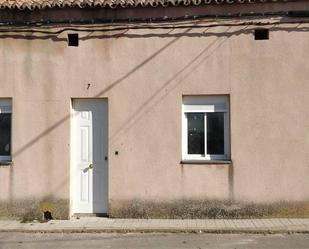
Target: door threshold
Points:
(81, 215)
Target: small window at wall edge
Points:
(5, 130)
(205, 128)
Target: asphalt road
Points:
(160, 241)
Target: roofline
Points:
(49, 4)
(150, 15)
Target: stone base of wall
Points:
(33, 209)
(29, 210)
(193, 209)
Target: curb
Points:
(159, 230)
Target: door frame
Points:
(72, 165)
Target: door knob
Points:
(90, 166)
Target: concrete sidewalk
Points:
(94, 224)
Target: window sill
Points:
(6, 163)
(206, 162)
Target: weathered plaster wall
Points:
(144, 74)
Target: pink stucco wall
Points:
(144, 74)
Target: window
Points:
(5, 129)
(73, 40)
(261, 34)
(205, 128)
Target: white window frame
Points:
(6, 107)
(205, 104)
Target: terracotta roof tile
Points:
(40, 4)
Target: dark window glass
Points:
(215, 133)
(196, 133)
(5, 134)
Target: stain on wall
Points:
(33, 209)
(199, 209)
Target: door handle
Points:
(89, 167)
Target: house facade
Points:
(154, 108)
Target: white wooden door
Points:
(89, 156)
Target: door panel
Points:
(84, 186)
(89, 148)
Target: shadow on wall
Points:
(173, 30)
(102, 92)
(188, 69)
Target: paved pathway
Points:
(94, 224)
